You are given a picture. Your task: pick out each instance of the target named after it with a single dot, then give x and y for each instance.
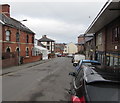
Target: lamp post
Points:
(19, 42)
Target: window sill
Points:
(27, 56)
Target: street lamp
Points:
(19, 42)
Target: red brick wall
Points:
(80, 48)
(9, 62)
(80, 39)
(32, 59)
(13, 44)
(111, 45)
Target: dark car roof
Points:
(96, 74)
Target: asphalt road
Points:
(42, 82)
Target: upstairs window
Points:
(8, 35)
(99, 39)
(48, 42)
(33, 39)
(48, 47)
(116, 34)
(17, 37)
(27, 39)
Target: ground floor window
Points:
(27, 52)
(111, 61)
(8, 50)
(118, 61)
(115, 61)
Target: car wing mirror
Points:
(75, 64)
(72, 74)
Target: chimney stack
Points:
(5, 9)
(44, 36)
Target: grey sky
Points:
(61, 21)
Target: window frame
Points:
(27, 52)
(8, 36)
(17, 37)
(116, 34)
(27, 38)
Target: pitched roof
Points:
(14, 23)
(81, 43)
(81, 35)
(88, 39)
(84, 41)
(45, 39)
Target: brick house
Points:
(80, 44)
(89, 48)
(84, 44)
(59, 48)
(106, 29)
(16, 38)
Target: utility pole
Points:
(19, 42)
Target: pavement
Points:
(22, 66)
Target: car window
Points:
(79, 78)
(87, 64)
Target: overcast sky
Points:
(61, 21)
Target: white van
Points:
(77, 58)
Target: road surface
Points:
(42, 82)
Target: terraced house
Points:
(17, 40)
(106, 30)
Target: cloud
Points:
(58, 30)
(61, 21)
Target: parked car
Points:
(63, 55)
(70, 55)
(59, 55)
(94, 85)
(87, 63)
(77, 58)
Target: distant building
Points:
(59, 48)
(70, 48)
(40, 49)
(47, 43)
(80, 44)
(89, 47)
(17, 39)
(83, 42)
(106, 30)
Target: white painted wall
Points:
(71, 48)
